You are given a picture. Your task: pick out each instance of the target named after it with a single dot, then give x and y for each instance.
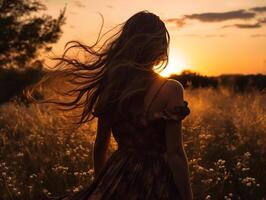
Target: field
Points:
(224, 136)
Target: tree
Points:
(24, 35)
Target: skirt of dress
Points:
(132, 175)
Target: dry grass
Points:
(225, 141)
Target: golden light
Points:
(177, 63)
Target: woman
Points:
(143, 110)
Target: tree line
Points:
(25, 35)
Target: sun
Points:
(177, 63)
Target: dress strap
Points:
(156, 94)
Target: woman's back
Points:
(145, 132)
(135, 134)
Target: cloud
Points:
(79, 4)
(258, 35)
(109, 6)
(259, 24)
(216, 17)
(72, 13)
(221, 16)
(259, 9)
(179, 22)
(205, 36)
(263, 21)
(244, 26)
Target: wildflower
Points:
(247, 154)
(238, 165)
(227, 198)
(44, 190)
(248, 181)
(20, 154)
(245, 169)
(90, 172)
(67, 152)
(221, 162)
(76, 189)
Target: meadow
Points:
(225, 140)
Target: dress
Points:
(138, 169)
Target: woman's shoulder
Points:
(171, 97)
(173, 84)
(171, 87)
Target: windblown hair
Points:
(114, 77)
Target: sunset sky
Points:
(207, 36)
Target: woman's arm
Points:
(176, 155)
(101, 144)
(177, 160)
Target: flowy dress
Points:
(138, 168)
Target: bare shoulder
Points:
(171, 93)
(174, 85)
(174, 91)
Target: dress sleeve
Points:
(176, 113)
(96, 114)
(97, 111)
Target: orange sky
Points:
(209, 37)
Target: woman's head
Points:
(115, 74)
(144, 40)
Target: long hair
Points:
(113, 78)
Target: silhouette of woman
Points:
(144, 112)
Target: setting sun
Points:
(177, 63)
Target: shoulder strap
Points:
(156, 94)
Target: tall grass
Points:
(226, 144)
(224, 135)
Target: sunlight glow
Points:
(177, 63)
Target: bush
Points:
(12, 82)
